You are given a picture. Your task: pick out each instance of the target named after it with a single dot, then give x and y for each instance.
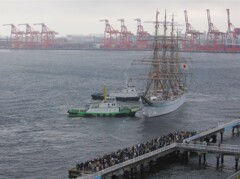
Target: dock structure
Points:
(212, 132)
(133, 162)
(203, 148)
(225, 149)
(196, 144)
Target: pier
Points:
(132, 162)
(211, 133)
(203, 148)
(198, 143)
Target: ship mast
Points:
(172, 49)
(166, 78)
(155, 62)
(173, 60)
(164, 58)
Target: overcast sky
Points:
(81, 17)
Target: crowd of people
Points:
(114, 158)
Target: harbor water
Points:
(39, 140)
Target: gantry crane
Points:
(47, 37)
(16, 37)
(31, 37)
(110, 35)
(232, 32)
(215, 38)
(125, 36)
(141, 38)
(192, 36)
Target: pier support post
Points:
(131, 172)
(221, 133)
(126, 174)
(217, 160)
(214, 138)
(114, 177)
(187, 156)
(141, 168)
(135, 171)
(222, 159)
(150, 164)
(233, 130)
(183, 155)
(204, 158)
(237, 128)
(199, 158)
(207, 139)
(236, 164)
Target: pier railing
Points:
(213, 148)
(213, 130)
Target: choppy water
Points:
(39, 140)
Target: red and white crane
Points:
(192, 36)
(110, 35)
(16, 37)
(142, 36)
(125, 36)
(232, 32)
(215, 38)
(31, 37)
(47, 36)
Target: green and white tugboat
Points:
(109, 107)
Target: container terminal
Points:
(40, 36)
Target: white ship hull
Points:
(163, 107)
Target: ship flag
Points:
(184, 66)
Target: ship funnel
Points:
(104, 92)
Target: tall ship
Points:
(166, 80)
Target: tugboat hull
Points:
(86, 114)
(122, 113)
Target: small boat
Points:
(128, 93)
(109, 107)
